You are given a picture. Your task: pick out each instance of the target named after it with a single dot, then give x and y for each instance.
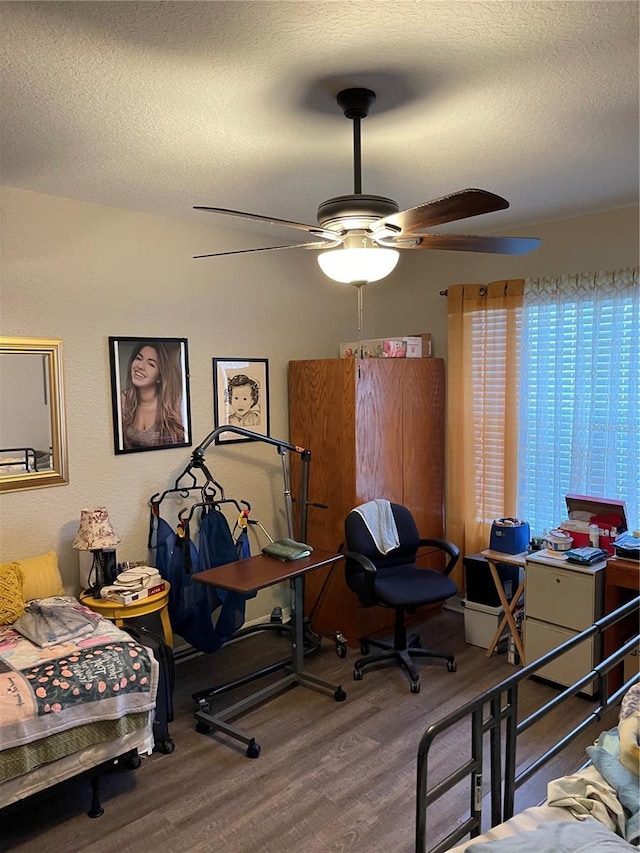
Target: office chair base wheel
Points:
(253, 750)
(341, 649)
(415, 687)
(357, 674)
(451, 666)
(339, 695)
(364, 648)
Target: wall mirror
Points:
(33, 441)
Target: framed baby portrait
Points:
(241, 397)
(150, 393)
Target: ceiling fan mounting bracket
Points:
(354, 211)
(356, 103)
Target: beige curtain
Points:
(483, 377)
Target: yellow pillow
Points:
(41, 576)
(11, 600)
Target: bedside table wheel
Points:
(131, 761)
(166, 745)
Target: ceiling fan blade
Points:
(314, 230)
(322, 245)
(449, 208)
(489, 244)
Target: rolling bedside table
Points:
(118, 613)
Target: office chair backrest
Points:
(359, 539)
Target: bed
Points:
(16, 460)
(72, 702)
(593, 805)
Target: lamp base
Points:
(97, 569)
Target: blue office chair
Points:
(393, 580)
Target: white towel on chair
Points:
(378, 517)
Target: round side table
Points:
(119, 612)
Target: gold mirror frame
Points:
(57, 473)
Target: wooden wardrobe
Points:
(375, 429)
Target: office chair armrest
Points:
(449, 548)
(364, 589)
(363, 561)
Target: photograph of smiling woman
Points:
(150, 393)
(152, 396)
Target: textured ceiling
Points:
(158, 106)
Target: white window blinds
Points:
(579, 422)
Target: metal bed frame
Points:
(495, 713)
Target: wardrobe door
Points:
(322, 420)
(379, 429)
(423, 443)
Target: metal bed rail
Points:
(29, 453)
(495, 713)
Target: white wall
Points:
(83, 272)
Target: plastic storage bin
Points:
(481, 623)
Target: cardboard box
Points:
(414, 346)
(427, 344)
(126, 597)
(375, 348)
(481, 623)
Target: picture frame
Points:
(241, 396)
(150, 403)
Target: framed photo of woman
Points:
(150, 393)
(241, 396)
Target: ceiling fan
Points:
(349, 224)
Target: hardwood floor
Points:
(332, 777)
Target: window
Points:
(579, 418)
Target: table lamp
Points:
(96, 534)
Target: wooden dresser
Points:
(375, 429)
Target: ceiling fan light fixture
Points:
(348, 265)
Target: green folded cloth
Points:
(287, 549)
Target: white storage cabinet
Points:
(560, 601)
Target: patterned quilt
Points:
(104, 675)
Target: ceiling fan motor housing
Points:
(354, 211)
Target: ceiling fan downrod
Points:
(355, 104)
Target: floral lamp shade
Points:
(96, 531)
